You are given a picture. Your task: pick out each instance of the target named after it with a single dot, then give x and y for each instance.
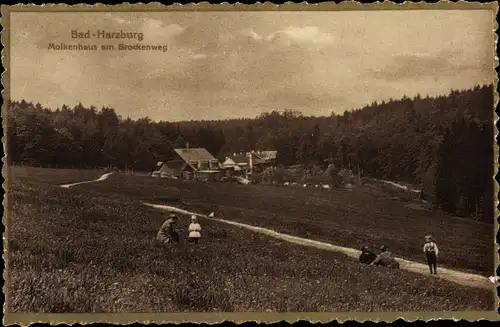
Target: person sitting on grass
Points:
(167, 234)
(431, 253)
(385, 259)
(194, 230)
(367, 255)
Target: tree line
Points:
(443, 143)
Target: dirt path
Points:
(103, 177)
(458, 277)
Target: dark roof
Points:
(258, 161)
(175, 166)
(239, 159)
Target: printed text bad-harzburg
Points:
(103, 34)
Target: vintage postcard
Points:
(203, 163)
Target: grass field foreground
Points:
(81, 250)
(350, 219)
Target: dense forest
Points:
(444, 144)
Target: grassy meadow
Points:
(90, 249)
(351, 219)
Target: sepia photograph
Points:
(250, 159)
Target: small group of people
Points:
(386, 259)
(167, 233)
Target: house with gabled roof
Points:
(235, 164)
(248, 162)
(267, 157)
(169, 169)
(189, 163)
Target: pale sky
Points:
(239, 64)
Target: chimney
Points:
(187, 146)
(250, 163)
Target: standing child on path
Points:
(431, 252)
(194, 230)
